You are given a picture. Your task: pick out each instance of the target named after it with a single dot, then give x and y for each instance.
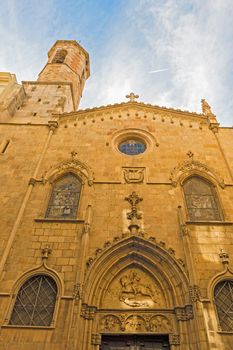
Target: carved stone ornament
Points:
(195, 293)
(135, 289)
(81, 168)
(206, 109)
(159, 324)
(88, 312)
(191, 165)
(136, 323)
(110, 323)
(224, 257)
(174, 339)
(133, 200)
(45, 252)
(134, 175)
(77, 292)
(184, 313)
(96, 339)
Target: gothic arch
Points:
(141, 253)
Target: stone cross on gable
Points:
(132, 97)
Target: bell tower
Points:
(68, 63)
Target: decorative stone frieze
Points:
(137, 322)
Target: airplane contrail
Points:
(158, 70)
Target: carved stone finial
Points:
(77, 291)
(133, 215)
(224, 257)
(190, 155)
(133, 200)
(45, 252)
(73, 154)
(132, 97)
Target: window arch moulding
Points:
(48, 275)
(194, 167)
(75, 166)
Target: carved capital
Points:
(195, 293)
(96, 339)
(88, 312)
(53, 125)
(214, 127)
(32, 181)
(184, 313)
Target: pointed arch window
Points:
(223, 298)
(65, 198)
(201, 200)
(35, 302)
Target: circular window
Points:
(132, 147)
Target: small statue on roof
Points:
(206, 109)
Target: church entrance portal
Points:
(134, 342)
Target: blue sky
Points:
(171, 52)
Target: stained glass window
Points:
(64, 199)
(201, 200)
(223, 297)
(35, 302)
(132, 147)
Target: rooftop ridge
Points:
(135, 103)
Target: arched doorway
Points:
(139, 296)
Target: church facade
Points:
(117, 221)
